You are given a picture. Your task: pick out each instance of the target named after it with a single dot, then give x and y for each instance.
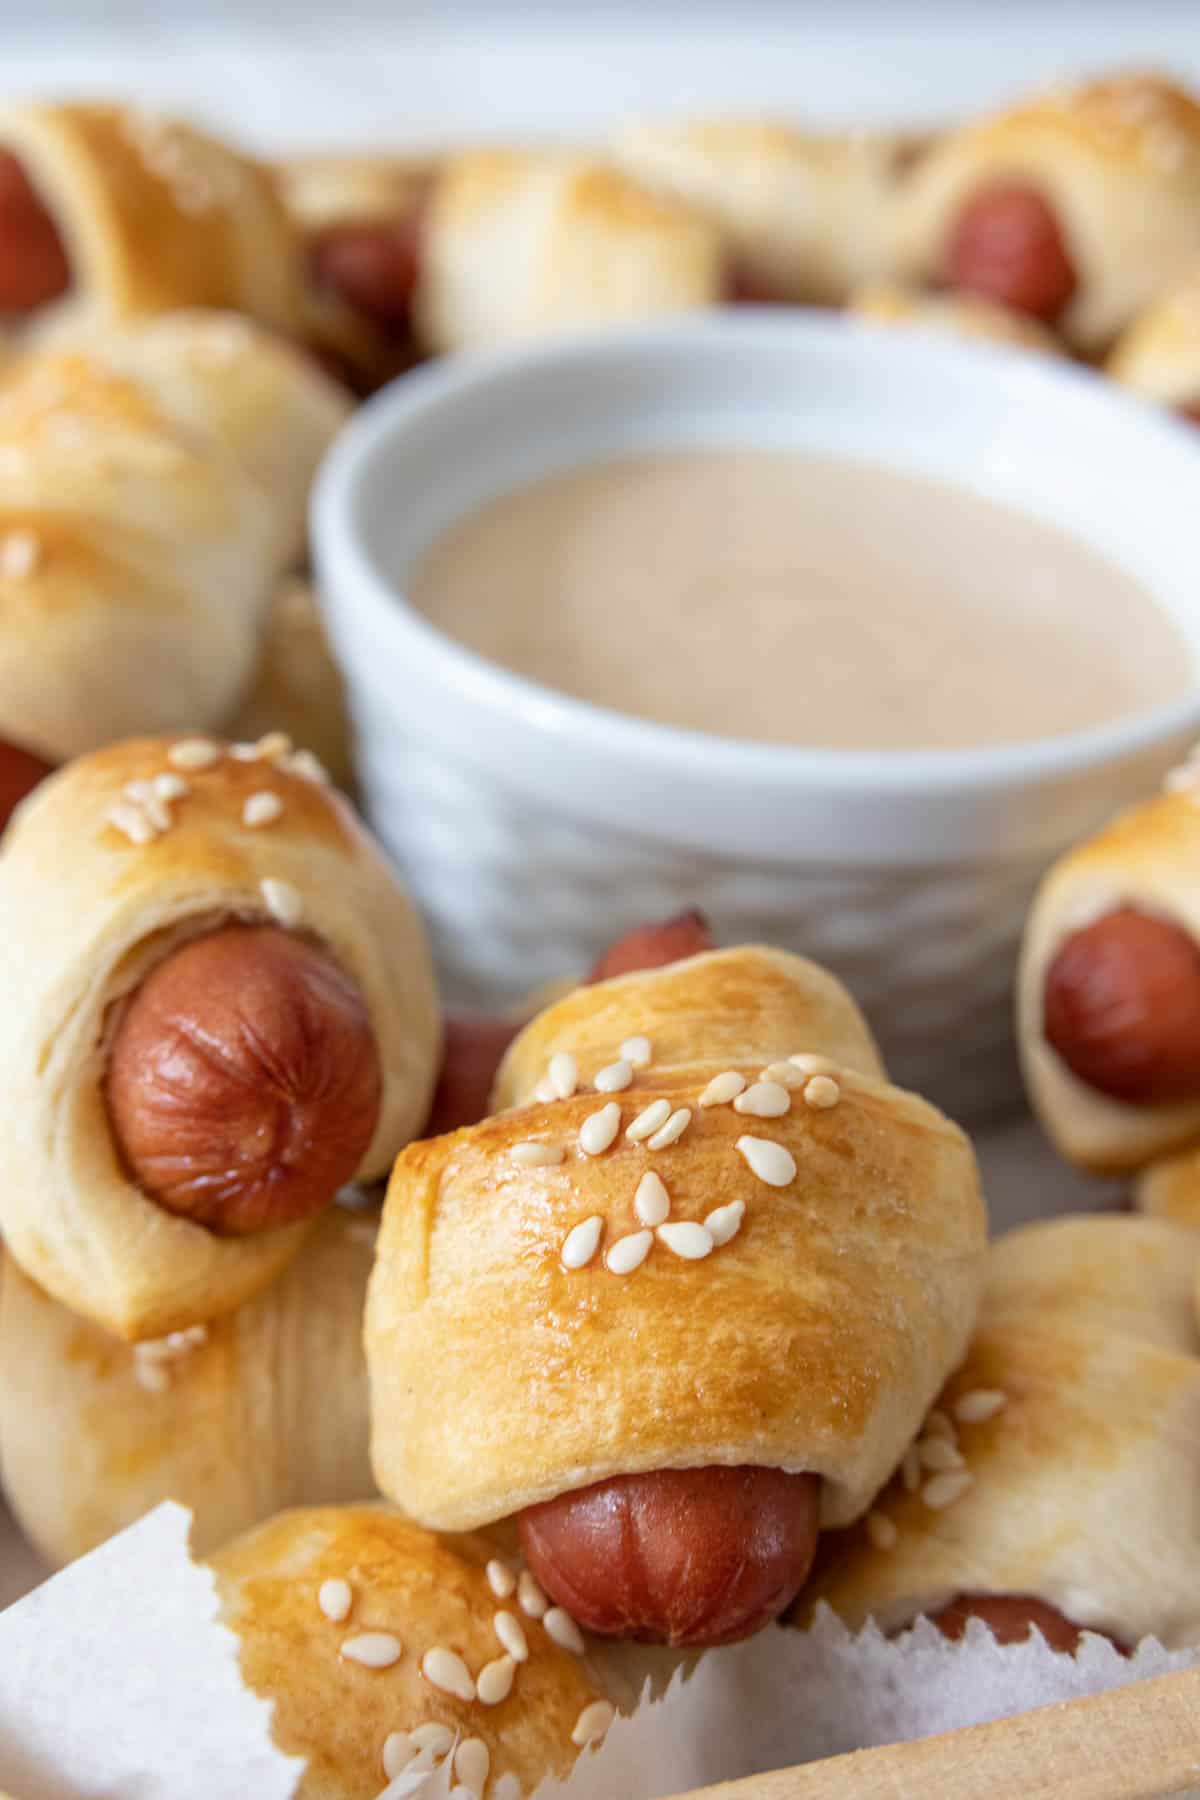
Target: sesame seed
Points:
(398, 1752)
(544, 1091)
(432, 1736)
(648, 1121)
(785, 1073)
(472, 1764)
(536, 1156)
(511, 1633)
(723, 1088)
(151, 1375)
(809, 1064)
(495, 1680)
(307, 766)
(725, 1222)
(686, 1239)
(629, 1253)
(938, 1424)
(373, 1649)
(636, 1050)
(821, 1093)
(272, 745)
(20, 554)
(765, 1100)
(979, 1404)
(582, 1242)
(938, 1453)
(599, 1129)
(193, 753)
(335, 1598)
(910, 1469)
(142, 794)
(673, 1130)
(592, 1723)
(881, 1531)
(652, 1202)
(563, 1629)
(501, 1579)
(262, 808)
(563, 1074)
(168, 786)
(244, 752)
(943, 1490)
(281, 900)
(132, 822)
(530, 1597)
(771, 1162)
(446, 1670)
(615, 1078)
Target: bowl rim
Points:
(672, 751)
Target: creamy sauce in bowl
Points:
(801, 600)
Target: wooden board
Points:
(1135, 1743)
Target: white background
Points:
(329, 72)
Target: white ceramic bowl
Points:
(534, 827)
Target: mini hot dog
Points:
(670, 1424)
(1077, 206)
(1044, 1491)
(1109, 987)
(20, 773)
(243, 1082)
(240, 1013)
(33, 264)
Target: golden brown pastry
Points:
(1109, 987)
(154, 490)
(805, 214)
(263, 1408)
(108, 212)
(730, 1284)
(1076, 206)
(519, 243)
(360, 220)
(379, 1645)
(1170, 1189)
(956, 315)
(1158, 355)
(228, 1013)
(298, 687)
(1055, 1479)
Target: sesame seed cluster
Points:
(656, 1127)
(144, 813)
(418, 1750)
(197, 183)
(935, 1465)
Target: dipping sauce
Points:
(801, 600)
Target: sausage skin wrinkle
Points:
(243, 1084)
(1121, 1007)
(676, 1556)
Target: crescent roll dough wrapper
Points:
(298, 687)
(1159, 355)
(153, 215)
(153, 489)
(94, 1432)
(806, 214)
(365, 1631)
(80, 933)
(804, 1327)
(1076, 1418)
(1145, 859)
(520, 243)
(1118, 163)
(955, 315)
